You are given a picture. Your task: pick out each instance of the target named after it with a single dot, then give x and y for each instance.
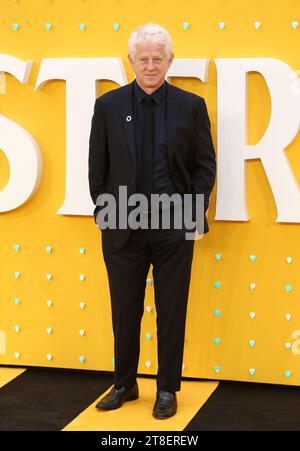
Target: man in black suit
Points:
(152, 138)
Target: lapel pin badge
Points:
(128, 118)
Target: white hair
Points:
(150, 32)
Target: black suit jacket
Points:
(112, 160)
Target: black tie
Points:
(147, 148)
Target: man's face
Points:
(150, 65)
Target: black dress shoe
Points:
(117, 396)
(165, 405)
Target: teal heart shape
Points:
(16, 247)
(116, 26)
(17, 328)
(17, 274)
(217, 369)
(221, 25)
(217, 312)
(16, 301)
(287, 373)
(82, 250)
(288, 288)
(15, 26)
(81, 359)
(287, 345)
(217, 341)
(252, 343)
(185, 25)
(253, 257)
(294, 24)
(252, 371)
(148, 336)
(82, 26)
(217, 284)
(48, 249)
(218, 256)
(48, 26)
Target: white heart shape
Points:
(49, 356)
(148, 363)
(288, 316)
(252, 285)
(17, 355)
(49, 303)
(148, 308)
(81, 304)
(49, 330)
(289, 259)
(81, 332)
(252, 315)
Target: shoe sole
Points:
(130, 398)
(159, 417)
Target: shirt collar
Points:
(157, 95)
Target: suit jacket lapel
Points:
(128, 121)
(171, 121)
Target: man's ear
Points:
(130, 60)
(171, 60)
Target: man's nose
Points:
(150, 64)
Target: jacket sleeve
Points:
(98, 153)
(204, 168)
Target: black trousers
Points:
(127, 268)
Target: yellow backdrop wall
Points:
(233, 331)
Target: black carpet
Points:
(48, 399)
(243, 406)
(43, 399)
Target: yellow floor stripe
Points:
(137, 415)
(8, 374)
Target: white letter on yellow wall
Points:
(232, 132)
(80, 75)
(19, 146)
(189, 67)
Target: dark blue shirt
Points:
(162, 181)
